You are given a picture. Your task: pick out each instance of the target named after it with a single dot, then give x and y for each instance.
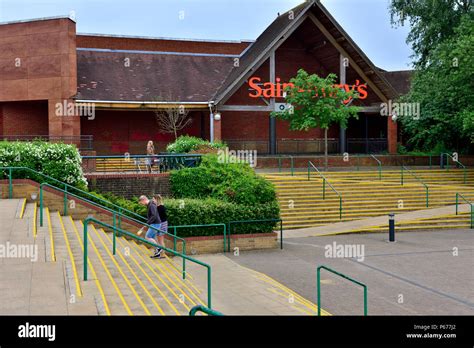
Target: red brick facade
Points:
(38, 69)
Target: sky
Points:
(366, 21)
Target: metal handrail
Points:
(324, 186)
(468, 202)
(417, 178)
(204, 309)
(120, 211)
(456, 161)
(209, 225)
(114, 213)
(235, 222)
(379, 165)
(131, 235)
(318, 284)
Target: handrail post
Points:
(318, 286)
(209, 287)
(10, 183)
(324, 189)
(114, 234)
(279, 164)
(308, 170)
(174, 239)
(401, 176)
(365, 300)
(281, 234)
(340, 208)
(86, 223)
(457, 200)
(41, 205)
(65, 201)
(427, 197)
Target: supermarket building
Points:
(116, 84)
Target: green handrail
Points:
(66, 193)
(235, 222)
(204, 309)
(403, 168)
(379, 165)
(292, 168)
(66, 185)
(209, 225)
(318, 284)
(324, 186)
(468, 202)
(115, 214)
(88, 220)
(456, 161)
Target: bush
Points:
(231, 182)
(186, 143)
(204, 212)
(60, 161)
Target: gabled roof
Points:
(151, 76)
(282, 24)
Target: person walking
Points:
(150, 151)
(153, 219)
(158, 200)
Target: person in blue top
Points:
(153, 233)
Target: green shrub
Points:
(204, 212)
(186, 143)
(57, 160)
(231, 182)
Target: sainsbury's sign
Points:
(277, 89)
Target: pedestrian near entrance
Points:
(153, 219)
(158, 200)
(150, 151)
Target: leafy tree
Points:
(317, 103)
(431, 21)
(444, 89)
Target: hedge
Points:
(206, 211)
(186, 143)
(57, 160)
(231, 182)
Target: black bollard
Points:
(391, 227)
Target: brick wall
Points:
(130, 186)
(24, 118)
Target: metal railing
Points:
(310, 164)
(89, 220)
(318, 285)
(468, 202)
(379, 166)
(139, 163)
(201, 226)
(122, 212)
(236, 222)
(455, 161)
(403, 168)
(85, 141)
(204, 309)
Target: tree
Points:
(431, 23)
(172, 119)
(317, 103)
(444, 89)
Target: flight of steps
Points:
(364, 194)
(128, 283)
